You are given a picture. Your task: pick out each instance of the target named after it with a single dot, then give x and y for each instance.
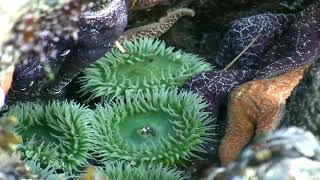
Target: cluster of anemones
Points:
(144, 124)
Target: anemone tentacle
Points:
(57, 135)
(120, 170)
(158, 126)
(146, 64)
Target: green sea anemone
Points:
(147, 63)
(57, 135)
(119, 170)
(159, 126)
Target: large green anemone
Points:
(147, 63)
(119, 170)
(58, 134)
(158, 126)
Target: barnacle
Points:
(159, 126)
(57, 135)
(120, 170)
(147, 63)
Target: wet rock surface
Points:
(290, 153)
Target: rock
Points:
(290, 153)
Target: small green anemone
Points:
(119, 170)
(159, 126)
(58, 135)
(147, 63)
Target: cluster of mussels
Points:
(157, 106)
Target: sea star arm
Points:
(300, 45)
(146, 4)
(215, 86)
(254, 109)
(239, 130)
(302, 106)
(158, 28)
(269, 27)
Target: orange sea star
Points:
(255, 108)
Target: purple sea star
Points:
(217, 84)
(281, 49)
(270, 27)
(300, 45)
